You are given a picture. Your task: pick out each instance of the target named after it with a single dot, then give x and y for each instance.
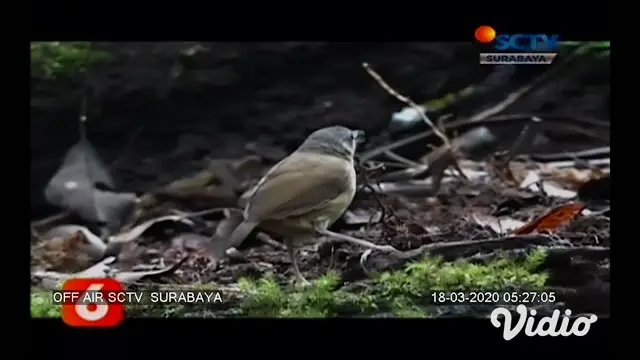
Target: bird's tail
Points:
(221, 242)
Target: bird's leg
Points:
(351, 239)
(292, 254)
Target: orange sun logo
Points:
(485, 34)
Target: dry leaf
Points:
(361, 217)
(74, 188)
(54, 280)
(573, 178)
(517, 171)
(82, 164)
(96, 244)
(555, 190)
(498, 225)
(67, 248)
(553, 219)
(116, 243)
(134, 276)
(137, 231)
(532, 182)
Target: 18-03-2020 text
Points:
(491, 297)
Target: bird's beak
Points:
(360, 136)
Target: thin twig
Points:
(393, 156)
(367, 184)
(405, 100)
(525, 136)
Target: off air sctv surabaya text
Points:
(136, 297)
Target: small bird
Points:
(304, 194)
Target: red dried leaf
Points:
(552, 219)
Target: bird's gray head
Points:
(334, 140)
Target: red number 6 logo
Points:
(88, 311)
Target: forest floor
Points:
(529, 214)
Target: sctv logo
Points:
(518, 42)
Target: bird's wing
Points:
(299, 184)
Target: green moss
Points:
(322, 299)
(53, 59)
(42, 305)
(404, 293)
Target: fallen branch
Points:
(457, 249)
(595, 253)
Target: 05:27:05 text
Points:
(492, 297)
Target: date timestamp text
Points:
(492, 297)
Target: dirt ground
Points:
(254, 103)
